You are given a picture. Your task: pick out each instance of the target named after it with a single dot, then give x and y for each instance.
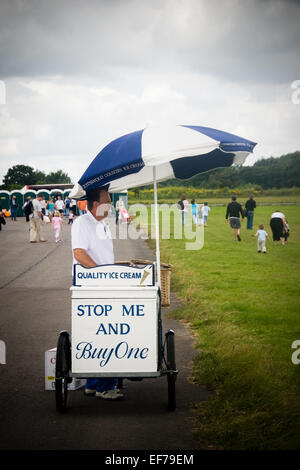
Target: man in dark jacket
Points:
(234, 209)
(250, 206)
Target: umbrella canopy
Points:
(175, 151)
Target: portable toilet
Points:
(45, 193)
(4, 199)
(29, 193)
(20, 201)
(56, 192)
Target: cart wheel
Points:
(62, 369)
(171, 370)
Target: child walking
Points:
(194, 211)
(57, 226)
(262, 236)
(71, 217)
(205, 212)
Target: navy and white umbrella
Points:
(159, 153)
(175, 151)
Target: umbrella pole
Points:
(156, 227)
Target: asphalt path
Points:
(35, 303)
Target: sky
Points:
(74, 75)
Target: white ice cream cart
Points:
(116, 330)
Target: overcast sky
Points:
(80, 73)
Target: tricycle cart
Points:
(116, 327)
(116, 330)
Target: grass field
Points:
(244, 309)
(262, 200)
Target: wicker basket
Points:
(124, 263)
(165, 278)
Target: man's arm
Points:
(83, 258)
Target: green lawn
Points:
(244, 309)
(261, 200)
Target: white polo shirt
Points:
(94, 237)
(60, 204)
(36, 209)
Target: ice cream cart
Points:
(116, 330)
(116, 310)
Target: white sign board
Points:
(114, 275)
(114, 335)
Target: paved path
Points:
(35, 306)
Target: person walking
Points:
(194, 208)
(92, 246)
(82, 207)
(249, 207)
(119, 207)
(183, 206)
(2, 218)
(57, 226)
(67, 206)
(278, 224)
(28, 199)
(59, 205)
(35, 221)
(50, 207)
(70, 217)
(13, 208)
(43, 205)
(234, 210)
(73, 206)
(262, 236)
(205, 212)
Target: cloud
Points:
(238, 40)
(79, 74)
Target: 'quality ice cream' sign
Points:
(114, 275)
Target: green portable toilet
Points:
(56, 192)
(20, 201)
(4, 199)
(45, 193)
(29, 193)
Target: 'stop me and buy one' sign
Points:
(114, 320)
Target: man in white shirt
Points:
(35, 221)
(92, 246)
(60, 204)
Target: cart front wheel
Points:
(62, 369)
(171, 370)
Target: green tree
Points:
(58, 177)
(19, 175)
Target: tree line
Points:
(19, 176)
(281, 172)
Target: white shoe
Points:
(110, 395)
(89, 391)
